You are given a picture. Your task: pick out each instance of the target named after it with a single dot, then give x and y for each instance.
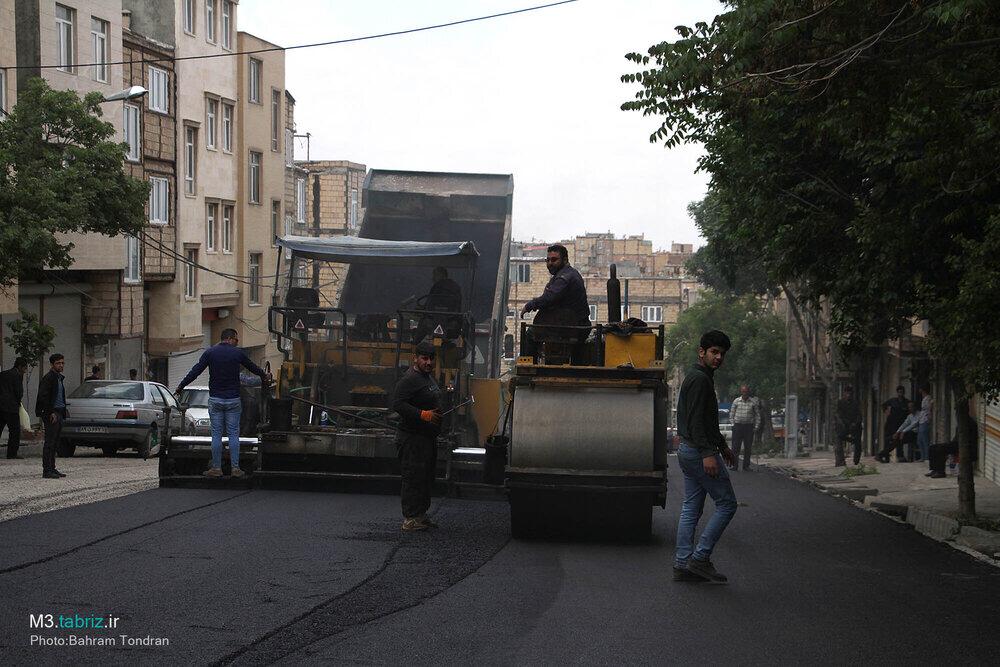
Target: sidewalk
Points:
(901, 490)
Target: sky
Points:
(536, 95)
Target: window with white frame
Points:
(652, 313)
(130, 123)
(211, 117)
(159, 200)
(352, 219)
(227, 127)
(227, 228)
(593, 312)
(211, 217)
(254, 168)
(99, 48)
(275, 220)
(159, 90)
(65, 38)
(188, 16)
(227, 24)
(522, 273)
(190, 158)
(254, 270)
(191, 274)
(254, 83)
(133, 259)
(210, 20)
(300, 200)
(275, 119)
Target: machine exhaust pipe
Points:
(614, 296)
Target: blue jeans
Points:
(224, 413)
(697, 484)
(924, 440)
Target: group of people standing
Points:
(50, 407)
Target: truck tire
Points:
(66, 449)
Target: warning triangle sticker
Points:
(300, 325)
(439, 331)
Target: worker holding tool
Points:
(417, 400)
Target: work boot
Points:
(213, 472)
(49, 474)
(937, 475)
(707, 571)
(684, 574)
(413, 525)
(426, 520)
(238, 474)
(59, 474)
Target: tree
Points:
(60, 171)
(851, 147)
(29, 338)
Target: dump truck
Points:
(346, 346)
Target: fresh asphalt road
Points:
(262, 576)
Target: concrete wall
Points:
(153, 18)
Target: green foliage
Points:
(29, 338)
(757, 357)
(852, 153)
(60, 171)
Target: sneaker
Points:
(424, 519)
(213, 472)
(707, 571)
(237, 473)
(684, 574)
(412, 525)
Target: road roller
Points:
(588, 428)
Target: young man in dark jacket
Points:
(51, 407)
(417, 400)
(11, 393)
(702, 457)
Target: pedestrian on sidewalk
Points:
(417, 401)
(11, 393)
(924, 424)
(744, 414)
(895, 411)
(95, 374)
(906, 435)
(703, 456)
(223, 362)
(848, 427)
(50, 405)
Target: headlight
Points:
(203, 422)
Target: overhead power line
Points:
(333, 42)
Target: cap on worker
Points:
(426, 348)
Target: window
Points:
(652, 313)
(191, 274)
(300, 200)
(211, 216)
(255, 177)
(275, 220)
(159, 203)
(508, 346)
(131, 125)
(352, 220)
(210, 20)
(227, 127)
(254, 278)
(188, 16)
(254, 83)
(99, 42)
(65, 38)
(132, 259)
(227, 228)
(522, 273)
(190, 144)
(275, 119)
(211, 114)
(158, 90)
(3, 92)
(593, 312)
(227, 24)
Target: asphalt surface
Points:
(253, 577)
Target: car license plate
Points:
(92, 429)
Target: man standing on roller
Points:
(417, 400)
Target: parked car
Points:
(196, 399)
(725, 426)
(115, 414)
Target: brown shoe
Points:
(213, 472)
(412, 525)
(238, 474)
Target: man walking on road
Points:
(924, 422)
(11, 392)
(744, 414)
(50, 405)
(223, 362)
(702, 456)
(417, 400)
(895, 414)
(848, 427)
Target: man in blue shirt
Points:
(50, 405)
(223, 362)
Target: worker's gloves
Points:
(430, 416)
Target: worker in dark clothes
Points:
(417, 400)
(50, 405)
(11, 393)
(702, 457)
(849, 427)
(562, 303)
